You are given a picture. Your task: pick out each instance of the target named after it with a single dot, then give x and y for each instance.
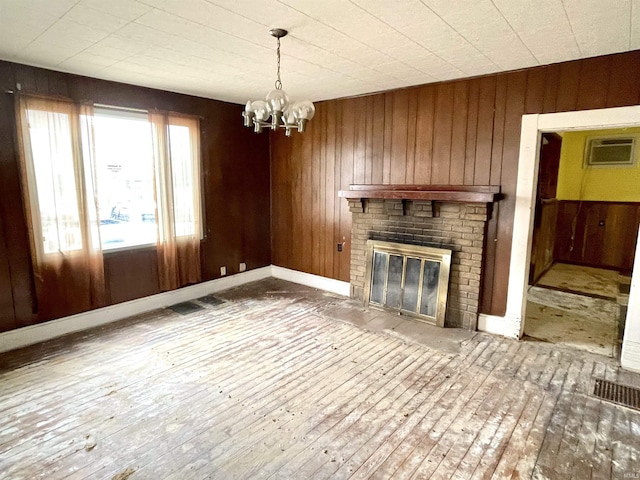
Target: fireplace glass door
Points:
(408, 278)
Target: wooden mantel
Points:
(442, 193)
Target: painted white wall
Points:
(630, 358)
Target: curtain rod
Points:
(102, 105)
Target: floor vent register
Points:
(624, 395)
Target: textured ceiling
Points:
(222, 49)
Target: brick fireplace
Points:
(446, 218)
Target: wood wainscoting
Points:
(597, 234)
(544, 238)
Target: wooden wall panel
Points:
(472, 132)
(543, 242)
(131, 274)
(598, 234)
(331, 197)
(624, 88)
(593, 85)
(376, 158)
(459, 133)
(16, 241)
(535, 90)
(568, 85)
(442, 129)
(484, 135)
(399, 128)
(466, 132)
(6, 292)
(424, 135)
(235, 183)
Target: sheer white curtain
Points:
(59, 189)
(176, 141)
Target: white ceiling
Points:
(222, 49)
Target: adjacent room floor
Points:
(576, 306)
(283, 381)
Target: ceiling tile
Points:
(486, 29)
(412, 12)
(537, 22)
(56, 8)
(43, 53)
(634, 41)
(85, 61)
(600, 27)
(126, 9)
(96, 19)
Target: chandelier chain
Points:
(278, 81)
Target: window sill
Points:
(128, 248)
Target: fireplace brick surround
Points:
(459, 227)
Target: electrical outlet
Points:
(223, 271)
(339, 247)
(243, 267)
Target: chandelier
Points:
(284, 113)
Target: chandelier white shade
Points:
(283, 112)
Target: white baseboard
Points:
(310, 280)
(491, 324)
(41, 332)
(505, 326)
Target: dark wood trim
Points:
(431, 188)
(444, 193)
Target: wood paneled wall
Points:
(544, 237)
(461, 132)
(235, 180)
(598, 234)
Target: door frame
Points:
(533, 126)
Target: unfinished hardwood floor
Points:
(273, 384)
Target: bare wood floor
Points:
(271, 384)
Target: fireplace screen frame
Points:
(424, 254)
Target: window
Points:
(139, 166)
(102, 178)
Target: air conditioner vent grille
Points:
(610, 151)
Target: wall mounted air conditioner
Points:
(610, 151)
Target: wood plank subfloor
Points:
(285, 382)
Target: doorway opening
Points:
(533, 125)
(586, 217)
